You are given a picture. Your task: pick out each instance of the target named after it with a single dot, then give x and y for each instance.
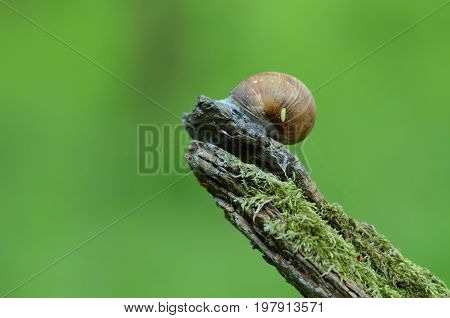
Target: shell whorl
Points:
(281, 99)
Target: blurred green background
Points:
(68, 136)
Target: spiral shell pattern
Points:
(281, 99)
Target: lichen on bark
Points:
(269, 196)
(353, 249)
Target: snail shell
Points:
(281, 99)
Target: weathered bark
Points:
(217, 176)
(226, 135)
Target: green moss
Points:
(331, 239)
(387, 260)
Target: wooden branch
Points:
(234, 158)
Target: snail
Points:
(280, 99)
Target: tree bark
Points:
(226, 139)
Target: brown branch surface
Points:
(225, 137)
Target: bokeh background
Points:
(68, 136)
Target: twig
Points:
(269, 196)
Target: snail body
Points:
(280, 99)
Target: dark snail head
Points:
(281, 99)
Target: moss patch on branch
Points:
(383, 256)
(327, 236)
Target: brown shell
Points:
(266, 94)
